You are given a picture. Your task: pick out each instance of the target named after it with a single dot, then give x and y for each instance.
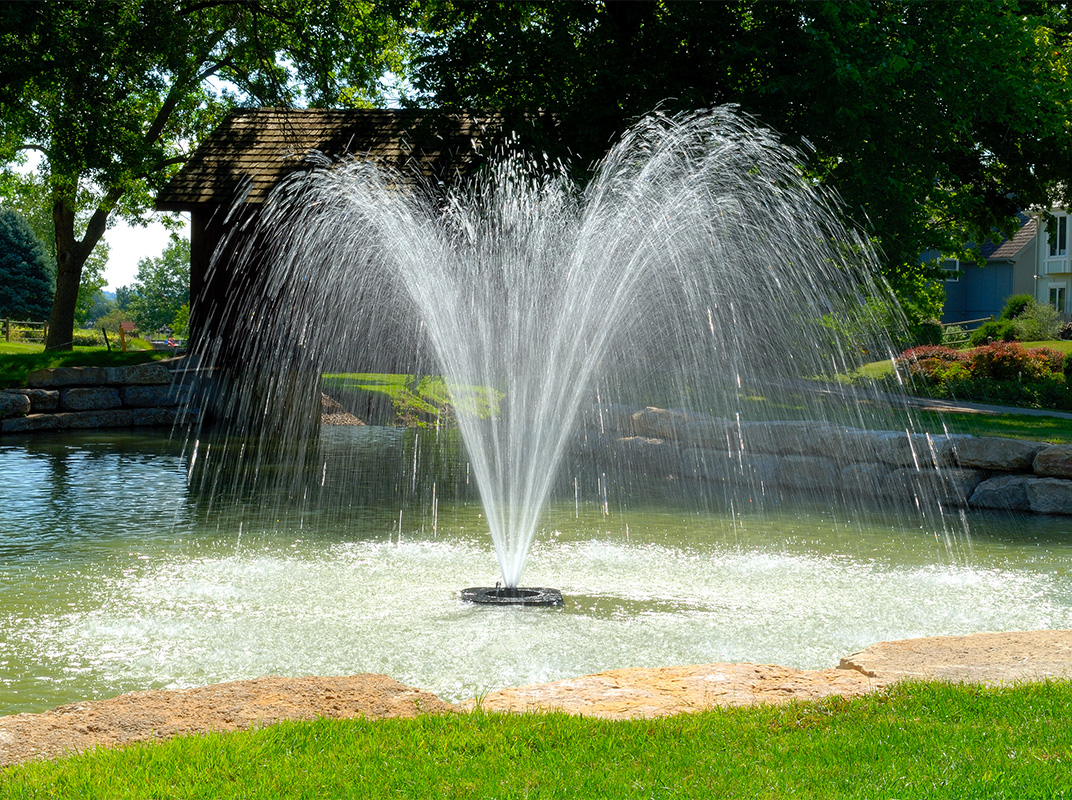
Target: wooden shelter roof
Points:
(247, 155)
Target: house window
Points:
(1058, 231)
(1057, 298)
(952, 267)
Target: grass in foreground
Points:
(916, 741)
(18, 360)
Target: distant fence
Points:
(24, 330)
(962, 335)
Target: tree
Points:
(28, 193)
(26, 272)
(161, 287)
(113, 95)
(935, 122)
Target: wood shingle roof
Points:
(253, 149)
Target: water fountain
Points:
(698, 264)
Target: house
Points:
(232, 173)
(975, 293)
(1034, 261)
(1053, 272)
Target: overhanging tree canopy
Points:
(935, 122)
(114, 95)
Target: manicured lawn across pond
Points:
(18, 360)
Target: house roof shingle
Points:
(247, 155)
(1008, 249)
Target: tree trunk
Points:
(69, 261)
(71, 255)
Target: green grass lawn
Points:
(416, 399)
(18, 360)
(913, 741)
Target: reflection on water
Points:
(115, 576)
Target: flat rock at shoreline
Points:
(663, 691)
(991, 658)
(142, 716)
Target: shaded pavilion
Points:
(230, 176)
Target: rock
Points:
(785, 438)
(67, 376)
(237, 705)
(149, 374)
(14, 404)
(153, 416)
(146, 396)
(990, 658)
(41, 400)
(107, 418)
(1004, 492)
(988, 452)
(947, 486)
(1049, 495)
(864, 478)
(89, 398)
(32, 423)
(808, 473)
(1054, 461)
(684, 427)
(662, 691)
(919, 450)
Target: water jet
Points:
(698, 267)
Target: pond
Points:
(115, 575)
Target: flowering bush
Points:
(1011, 361)
(932, 363)
(1002, 372)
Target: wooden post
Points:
(7, 329)
(123, 336)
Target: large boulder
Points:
(149, 374)
(14, 404)
(142, 396)
(90, 398)
(1004, 492)
(41, 400)
(951, 487)
(57, 377)
(1049, 495)
(989, 452)
(1054, 461)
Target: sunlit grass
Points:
(417, 397)
(914, 741)
(18, 360)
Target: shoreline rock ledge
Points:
(990, 658)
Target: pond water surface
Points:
(116, 576)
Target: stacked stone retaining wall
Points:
(808, 457)
(66, 398)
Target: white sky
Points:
(131, 244)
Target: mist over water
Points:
(697, 265)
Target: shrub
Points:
(1015, 305)
(997, 331)
(88, 338)
(931, 363)
(954, 336)
(1055, 360)
(1037, 322)
(1010, 361)
(927, 332)
(1065, 332)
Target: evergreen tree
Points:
(27, 274)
